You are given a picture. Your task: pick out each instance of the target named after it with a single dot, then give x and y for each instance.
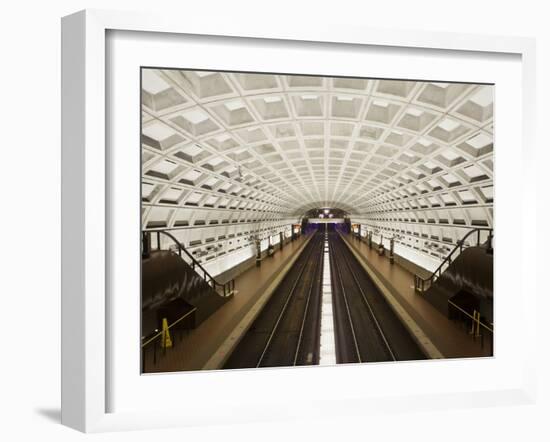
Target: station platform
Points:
(209, 345)
(442, 336)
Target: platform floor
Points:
(450, 337)
(193, 349)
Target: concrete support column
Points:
(258, 253)
(145, 244)
(270, 248)
(490, 242)
(381, 245)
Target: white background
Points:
(30, 221)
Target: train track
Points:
(286, 332)
(366, 328)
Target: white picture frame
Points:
(86, 206)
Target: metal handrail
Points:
(228, 287)
(421, 284)
(160, 333)
(489, 329)
(159, 337)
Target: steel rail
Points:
(283, 310)
(340, 280)
(310, 291)
(367, 303)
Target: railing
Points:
(157, 342)
(475, 326)
(227, 288)
(422, 284)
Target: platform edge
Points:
(425, 343)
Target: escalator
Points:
(172, 288)
(467, 281)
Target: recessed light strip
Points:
(327, 350)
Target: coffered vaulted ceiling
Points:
(259, 147)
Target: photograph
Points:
(301, 220)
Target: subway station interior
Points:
(292, 220)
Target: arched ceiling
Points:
(279, 145)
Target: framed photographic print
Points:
(290, 224)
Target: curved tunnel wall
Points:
(234, 152)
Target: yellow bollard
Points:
(472, 331)
(166, 340)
